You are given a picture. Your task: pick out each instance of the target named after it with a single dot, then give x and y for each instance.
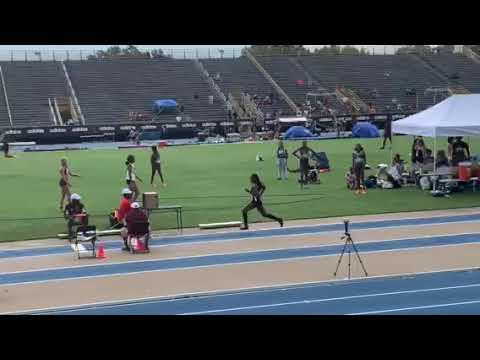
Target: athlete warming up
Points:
(65, 174)
(256, 191)
(6, 151)
(132, 177)
(156, 166)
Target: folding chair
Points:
(74, 222)
(84, 234)
(138, 237)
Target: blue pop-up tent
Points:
(297, 132)
(165, 104)
(365, 130)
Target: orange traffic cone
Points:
(101, 252)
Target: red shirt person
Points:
(125, 203)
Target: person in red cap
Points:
(123, 210)
(125, 203)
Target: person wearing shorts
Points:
(132, 177)
(156, 164)
(359, 160)
(303, 153)
(387, 133)
(64, 182)
(257, 190)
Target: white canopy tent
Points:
(458, 115)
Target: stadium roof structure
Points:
(458, 115)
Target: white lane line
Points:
(260, 236)
(417, 308)
(332, 299)
(249, 252)
(215, 265)
(233, 292)
(321, 232)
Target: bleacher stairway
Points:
(29, 86)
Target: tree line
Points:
(130, 51)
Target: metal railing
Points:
(52, 112)
(86, 54)
(74, 95)
(470, 53)
(6, 97)
(57, 112)
(272, 82)
(211, 82)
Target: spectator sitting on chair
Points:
(442, 160)
(123, 211)
(135, 216)
(124, 208)
(398, 163)
(428, 157)
(75, 213)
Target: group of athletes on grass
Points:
(132, 192)
(257, 189)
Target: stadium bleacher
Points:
(240, 75)
(467, 71)
(381, 80)
(108, 90)
(282, 69)
(286, 76)
(29, 86)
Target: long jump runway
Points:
(423, 263)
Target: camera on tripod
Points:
(346, 222)
(351, 245)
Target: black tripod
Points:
(349, 241)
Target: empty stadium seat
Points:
(108, 90)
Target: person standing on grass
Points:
(156, 166)
(387, 133)
(256, 191)
(282, 157)
(303, 153)
(359, 160)
(6, 150)
(64, 182)
(132, 177)
(418, 153)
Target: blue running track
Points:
(225, 259)
(455, 293)
(289, 231)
